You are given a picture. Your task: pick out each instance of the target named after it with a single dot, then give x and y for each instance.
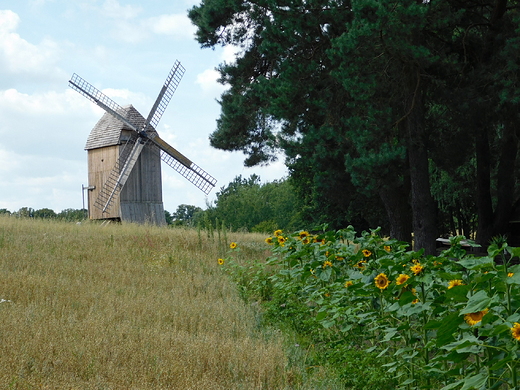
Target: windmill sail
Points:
(167, 91)
(183, 165)
(95, 95)
(144, 134)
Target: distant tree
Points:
(168, 217)
(44, 213)
(185, 215)
(73, 215)
(25, 212)
(5, 211)
(247, 204)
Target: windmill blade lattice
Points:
(95, 95)
(194, 174)
(113, 185)
(167, 91)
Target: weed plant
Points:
(128, 307)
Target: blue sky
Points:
(126, 49)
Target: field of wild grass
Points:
(128, 307)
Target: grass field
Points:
(128, 307)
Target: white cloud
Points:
(229, 54)
(209, 84)
(113, 9)
(21, 58)
(178, 25)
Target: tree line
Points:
(245, 204)
(401, 114)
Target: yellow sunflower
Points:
(475, 318)
(381, 281)
(269, 240)
(277, 232)
(360, 265)
(366, 252)
(515, 331)
(510, 274)
(348, 283)
(220, 261)
(303, 234)
(387, 248)
(327, 264)
(417, 268)
(455, 282)
(401, 279)
(281, 240)
(233, 245)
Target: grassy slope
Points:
(125, 307)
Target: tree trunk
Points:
(396, 201)
(423, 205)
(484, 200)
(506, 178)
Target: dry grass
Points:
(126, 307)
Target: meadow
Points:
(129, 307)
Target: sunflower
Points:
(327, 264)
(277, 232)
(510, 274)
(515, 331)
(417, 268)
(475, 318)
(455, 282)
(233, 245)
(303, 234)
(381, 281)
(387, 248)
(401, 279)
(348, 283)
(281, 240)
(366, 252)
(269, 240)
(220, 261)
(361, 265)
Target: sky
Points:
(125, 48)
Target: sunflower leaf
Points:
(475, 382)
(477, 302)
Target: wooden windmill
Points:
(124, 157)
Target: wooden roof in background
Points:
(107, 132)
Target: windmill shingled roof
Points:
(107, 131)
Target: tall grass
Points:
(127, 307)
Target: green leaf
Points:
(477, 302)
(477, 263)
(475, 382)
(515, 251)
(458, 293)
(448, 326)
(325, 274)
(321, 315)
(452, 385)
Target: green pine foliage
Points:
(377, 105)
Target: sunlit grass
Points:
(127, 307)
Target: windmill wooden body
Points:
(124, 157)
